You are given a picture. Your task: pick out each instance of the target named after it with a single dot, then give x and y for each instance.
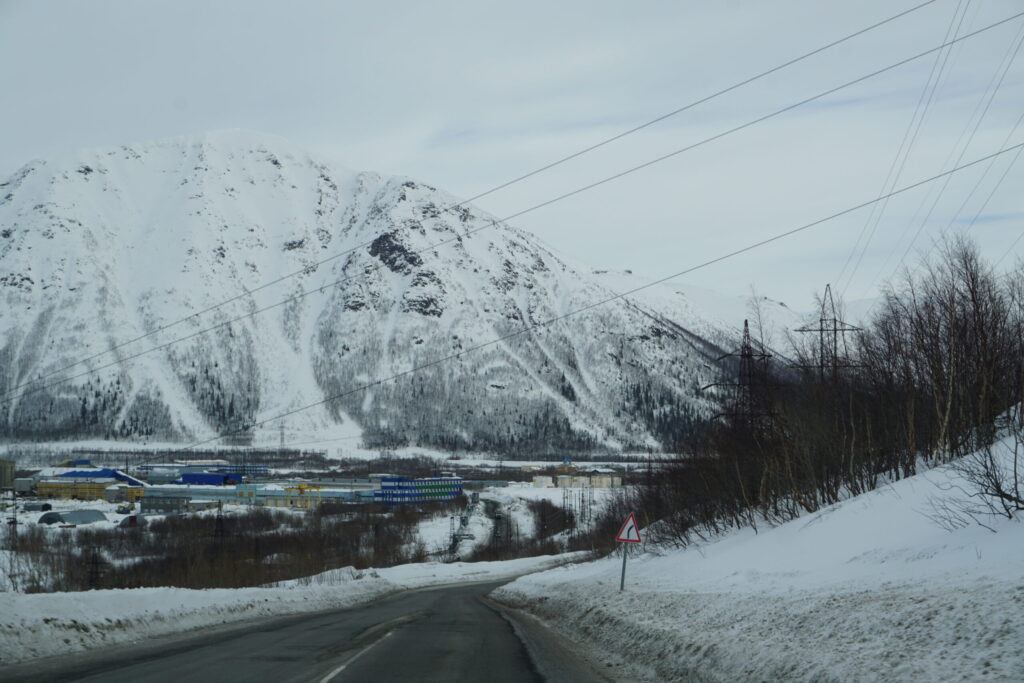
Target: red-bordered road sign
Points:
(630, 532)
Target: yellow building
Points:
(85, 488)
(123, 493)
(6, 474)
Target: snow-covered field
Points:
(869, 589)
(41, 625)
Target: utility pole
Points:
(451, 537)
(219, 532)
(13, 545)
(95, 569)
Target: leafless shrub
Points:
(927, 379)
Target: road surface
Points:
(453, 633)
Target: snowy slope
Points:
(868, 589)
(103, 246)
(718, 317)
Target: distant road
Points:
(446, 634)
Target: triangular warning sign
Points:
(630, 532)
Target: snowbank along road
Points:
(453, 633)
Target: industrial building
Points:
(86, 484)
(123, 493)
(72, 517)
(401, 490)
(600, 480)
(165, 473)
(185, 486)
(174, 505)
(272, 495)
(85, 488)
(6, 474)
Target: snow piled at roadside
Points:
(47, 624)
(868, 589)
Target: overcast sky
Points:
(466, 95)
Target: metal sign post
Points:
(629, 533)
(622, 581)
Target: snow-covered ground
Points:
(869, 589)
(435, 532)
(46, 624)
(515, 498)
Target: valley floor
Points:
(871, 589)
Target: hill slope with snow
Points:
(105, 246)
(869, 589)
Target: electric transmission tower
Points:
(832, 352)
(750, 404)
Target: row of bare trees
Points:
(251, 547)
(930, 379)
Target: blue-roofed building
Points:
(102, 473)
(209, 478)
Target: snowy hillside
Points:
(104, 246)
(718, 317)
(874, 588)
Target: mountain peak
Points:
(375, 276)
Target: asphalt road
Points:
(447, 634)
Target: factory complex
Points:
(171, 488)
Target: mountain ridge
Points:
(103, 246)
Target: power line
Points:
(1015, 242)
(543, 204)
(558, 162)
(987, 199)
(981, 181)
(906, 156)
(992, 192)
(1011, 56)
(891, 180)
(550, 321)
(695, 103)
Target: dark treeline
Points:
(923, 382)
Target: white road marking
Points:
(330, 676)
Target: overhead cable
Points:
(316, 264)
(535, 207)
(892, 178)
(602, 302)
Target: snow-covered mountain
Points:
(715, 316)
(104, 246)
